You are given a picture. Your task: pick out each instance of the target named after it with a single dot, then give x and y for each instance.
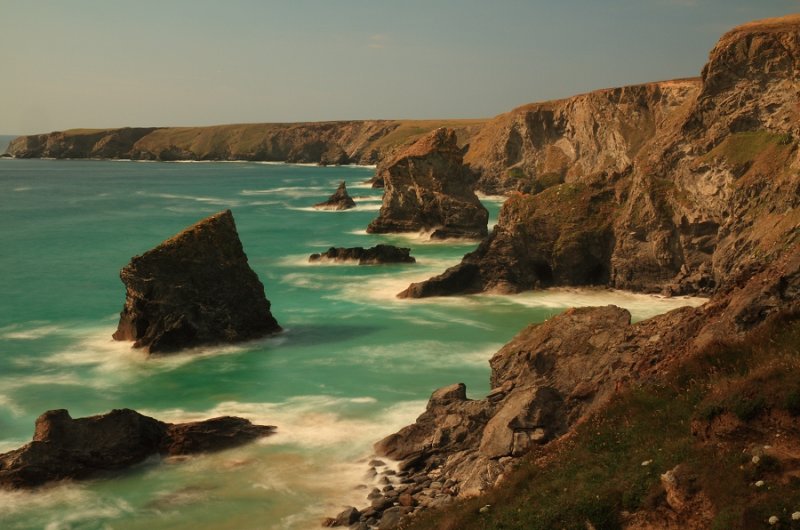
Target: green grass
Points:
(598, 474)
(744, 147)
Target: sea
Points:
(353, 364)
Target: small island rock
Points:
(340, 200)
(67, 448)
(369, 256)
(194, 289)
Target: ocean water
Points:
(353, 364)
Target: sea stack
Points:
(340, 200)
(194, 289)
(428, 188)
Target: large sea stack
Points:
(193, 289)
(67, 448)
(428, 188)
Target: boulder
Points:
(428, 188)
(370, 256)
(193, 289)
(67, 448)
(340, 200)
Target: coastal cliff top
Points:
(686, 81)
(767, 25)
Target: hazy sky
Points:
(108, 63)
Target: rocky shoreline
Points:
(691, 189)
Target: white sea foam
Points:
(357, 208)
(29, 331)
(113, 361)
(10, 405)
(294, 192)
(491, 198)
(12, 502)
(72, 518)
(430, 354)
(641, 306)
(360, 186)
(209, 200)
(23, 188)
(360, 207)
(311, 422)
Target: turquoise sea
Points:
(353, 364)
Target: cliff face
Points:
(427, 187)
(193, 289)
(712, 191)
(362, 142)
(543, 144)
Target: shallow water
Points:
(353, 365)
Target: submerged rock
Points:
(66, 448)
(193, 289)
(428, 188)
(369, 256)
(340, 200)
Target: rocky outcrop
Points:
(543, 381)
(710, 189)
(64, 448)
(325, 143)
(554, 375)
(428, 188)
(193, 289)
(340, 200)
(378, 254)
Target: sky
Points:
(112, 63)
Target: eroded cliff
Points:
(712, 188)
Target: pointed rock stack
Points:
(340, 200)
(194, 289)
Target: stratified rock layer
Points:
(66, 448)
(428, 188)
(194, 289)
(340, 200)
(378, 254)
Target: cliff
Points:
(428, 188)
(193, 289)
(712, 189)
(544, 144)
(344, 142)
